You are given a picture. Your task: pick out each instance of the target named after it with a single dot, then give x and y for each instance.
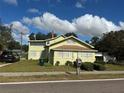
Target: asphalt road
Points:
(116, 86)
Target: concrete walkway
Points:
(2, 65)
(56, 73)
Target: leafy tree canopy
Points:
(5, 36)
(112, 43)
(71, 34)
(41, 36)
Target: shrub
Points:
(100, 62)
(88, 66)
(112, 62)
(75, 64)
(120, 62)
(57, 63)
(48, 64)
(43, 61)
(69, 63)
(99, 67)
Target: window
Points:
(89, 54)
(65, 54)
(83, 54)
(60, 54)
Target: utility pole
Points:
(21, 33)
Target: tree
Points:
(71, 34)
(14, 45)
(113, 44)
(25, 48)
(87, 41)
(32, 36)
(94, 40)
(40, 36)
(5, 36)
(1, 47)
(49, 35)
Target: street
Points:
(112, 86)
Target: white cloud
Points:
(94, 25)
(17, 37)
(51, 22)
(12, 2)
(86, 24)
(122, 25)
(34, 10)
(27, 20)
(79, 5)
(19, 27)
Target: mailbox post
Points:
(78, 64)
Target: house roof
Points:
(73, 48)
(46, 39)
(88, 45)
(65, 38)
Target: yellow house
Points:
(61, 49)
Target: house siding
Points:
(35, 52)
(39, 50)
(72, 56)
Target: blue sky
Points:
(85, 17)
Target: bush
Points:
(99, 67)
(111, 62)
(43, 61)
(88, 66)
(57, 63)
(100, 62)
(69, 63)
(75, 64)
(48, 64)
(120, 62)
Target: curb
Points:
(63, 81)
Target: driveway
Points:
(112, 86)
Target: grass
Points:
(2, 63)
(112, 67)
(60, 77)
(33, 66)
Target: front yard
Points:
(33, 66)
(111, 67)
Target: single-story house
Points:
(61, 49)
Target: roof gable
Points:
(76, 39)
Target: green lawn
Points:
(111, 67)
(33, 66)
(60, 77)
(2, 63)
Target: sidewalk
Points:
(2, 65)
(56, 73)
